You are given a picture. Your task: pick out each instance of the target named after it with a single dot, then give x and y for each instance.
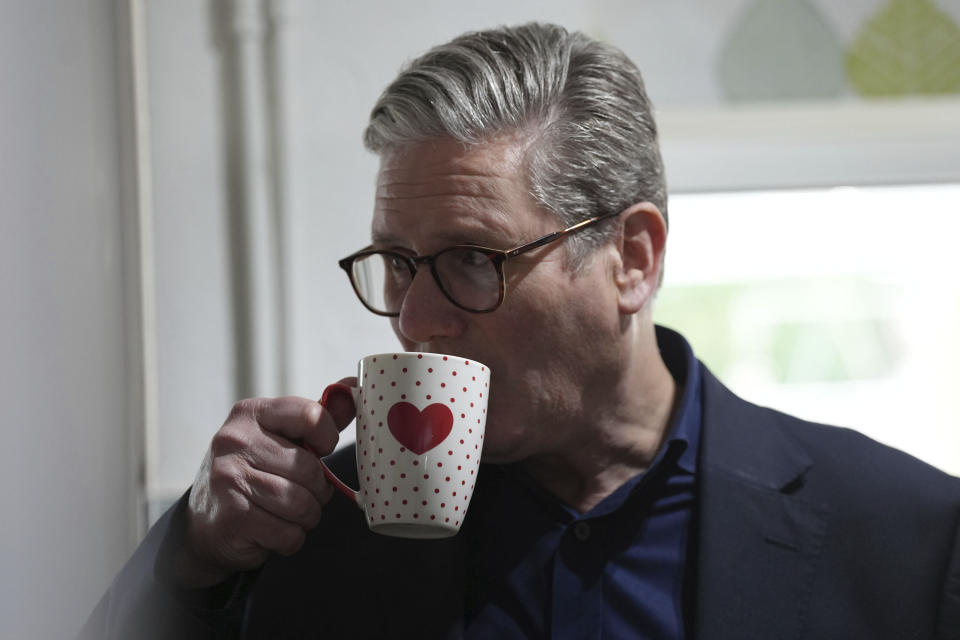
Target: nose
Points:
(426, 314)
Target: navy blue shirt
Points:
(625, 569)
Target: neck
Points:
(617, 438)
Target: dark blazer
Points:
(805, 531)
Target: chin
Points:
(501, 446)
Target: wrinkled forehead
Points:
(444, 183)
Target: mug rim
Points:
(428, 354)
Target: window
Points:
(838, 305)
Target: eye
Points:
(396, 263)
(473, 259)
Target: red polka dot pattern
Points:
(422, 505)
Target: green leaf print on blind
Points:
(909, 47)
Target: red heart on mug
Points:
(418, 430)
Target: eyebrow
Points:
(489, 232)
(447, 241)
(381, 238)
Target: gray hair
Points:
(592, 141)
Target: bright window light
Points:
(837, 305)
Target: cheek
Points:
(508, 417)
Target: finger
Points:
(282, 498)
(278, 456)
(298, 420)
(271, 533)
(337, 399)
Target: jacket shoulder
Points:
(839, 460)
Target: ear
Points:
(641, 247)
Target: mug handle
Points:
(342, 487)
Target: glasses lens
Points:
(382, 279)
(470, 277)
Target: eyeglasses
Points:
(470, 276)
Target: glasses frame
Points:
(496, 256)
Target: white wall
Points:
(65, 471)
(189, 154)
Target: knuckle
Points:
(243, 408)
(241, 490)
(235, 501)
(230, 438)
(220, 475)
(230, 481)
(309, 412)
(258, 407)
(249, 409)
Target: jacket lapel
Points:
(759, 537)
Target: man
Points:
(625, 491)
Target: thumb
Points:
(337, 399)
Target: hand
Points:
(258, 490)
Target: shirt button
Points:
(581, 531)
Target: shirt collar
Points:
(678, 455)
(683, 366)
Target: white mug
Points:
(420, 426)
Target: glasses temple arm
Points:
(539, 242)
(556, 235)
